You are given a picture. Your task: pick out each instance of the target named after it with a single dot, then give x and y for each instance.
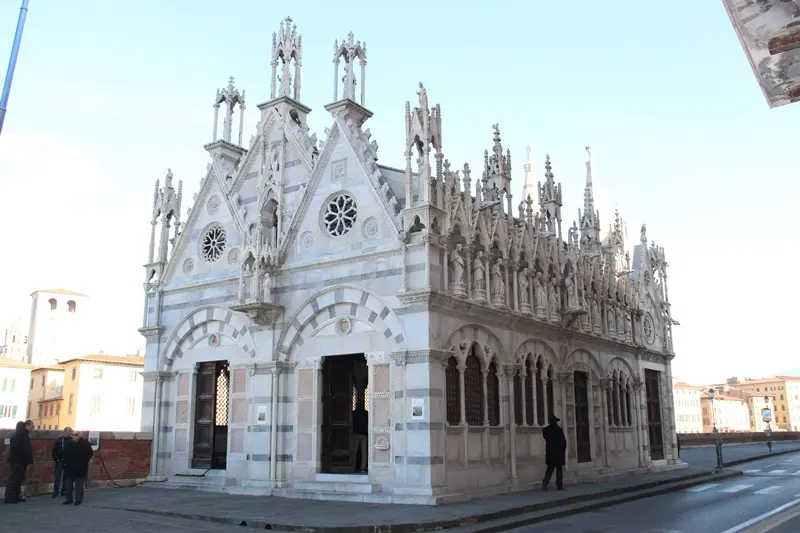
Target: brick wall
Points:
(122, 457)
(707, 439)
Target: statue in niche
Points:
(596, 322)
(611, 323)
(523, 284)
(620, 321)
(457, 262)
(569, 286)
(457, 268)
(242, 280)
(348, 82)
(478, 273)
(585, 320)
(285, 79)
(539, 294)
(628, 327)
(267, 286)
(552, 298)
(498, 285)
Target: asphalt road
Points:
(767, 493)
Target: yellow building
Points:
(94, 393)
(784, 393)
(44, 397)
(14, 376)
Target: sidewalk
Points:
(313, 516)
(347, 517)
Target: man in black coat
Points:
(555, 453)
(58, 461)
(76, 465)
(20, 455)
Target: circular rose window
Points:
(340, 214)
(648, 329)
(213, 243)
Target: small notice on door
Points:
(417, 408)
(261, 414)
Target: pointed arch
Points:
(202, 322)
(488, 343)
(584, 360)
(360, 303)
(540, 350)
(618, 364)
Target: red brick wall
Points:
(125, 456)
(708, 439)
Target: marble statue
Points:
(457, 262)
(539, 294)
(552, 298)
(498, 285)
(523, 284)
(569, 286)
(478, 273)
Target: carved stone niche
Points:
(568, 316)
(261, 313)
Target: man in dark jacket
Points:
(20, 455)
(555, 453)
(76, 465)
(58, 461)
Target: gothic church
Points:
(322, 326)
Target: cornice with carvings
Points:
(508, 319)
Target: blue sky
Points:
(109, 94)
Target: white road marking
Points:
(777, 471)
(759, 518)
(769, 490)
(701, 488)
(736, 488)
(752, 471)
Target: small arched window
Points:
(53, 304)
(71, 305)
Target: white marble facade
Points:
(475, 320)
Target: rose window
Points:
(648, 329)
(340, 215)
(214, 242)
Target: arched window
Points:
(453, 391)
(530, 390)
(540, 385)
(519, 398)
(493, 395)
(628, 401)
(473, 393)
(53, 304)
(71, 305)
(615, 407)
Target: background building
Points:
(44, 397)
(14, 378)
(726, 412)
(58, 327)
(688, 409)
(15, 341)
(784, 391)
(102, 393)
(770, 35)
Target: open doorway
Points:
(211, 416)
(345, 414)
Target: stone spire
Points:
(550, 201)
(350, 50)
(287, 46)
(497, 165)
(529, 187)
(231, 97)
(589, 218)
(423, 133)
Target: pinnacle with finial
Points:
(231, 83)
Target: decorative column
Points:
(641, 423)
(510, 371)
(445, 263)
(514, 285)
(468, 251)
(241, 119)
(605, 385)
(216, 120)
(485, 436)
(155, 472)
(567, 391)
(363, 82)
(462, 368)
(273, 440)
(666, 390)
(617, 403)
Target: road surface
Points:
(768, 493)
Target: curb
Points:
(561, 507)
(758, 457)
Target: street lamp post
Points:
(718, 440)
(12, 62)
(766, 416)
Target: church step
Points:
(337, 486)
(201, 481)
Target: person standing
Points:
(555, 452)
(20, 455)
(768, 433)
(58, 461)
(76, 466)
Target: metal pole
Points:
(12, 62)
